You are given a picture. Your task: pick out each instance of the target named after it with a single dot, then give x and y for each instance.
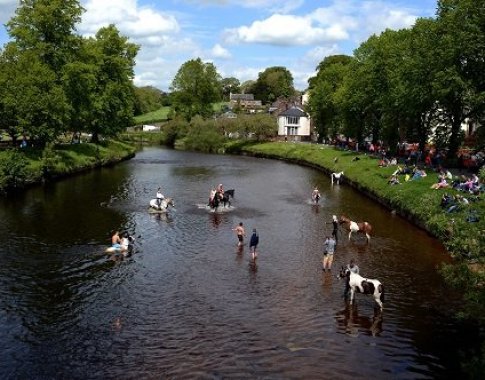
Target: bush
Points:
(13, 170)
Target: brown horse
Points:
(352, 226)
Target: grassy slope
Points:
(152, 117)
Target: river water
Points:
(187, 304)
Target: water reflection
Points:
(350, 322)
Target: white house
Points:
(294, 124)
(150, 128)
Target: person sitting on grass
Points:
(393, 180)
(441, 184)
(418, 174)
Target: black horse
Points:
(225, 201)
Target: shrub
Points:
(13, 171)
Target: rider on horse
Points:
(160, 197)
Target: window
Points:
(291, 131)
(292, 120)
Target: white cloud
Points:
(219, 52)
(128, 18)
(285, 30)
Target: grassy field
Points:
(153, 117)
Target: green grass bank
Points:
(30, 166)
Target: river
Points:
(187, 304)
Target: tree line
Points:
(410, 84)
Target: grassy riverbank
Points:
(20, 168)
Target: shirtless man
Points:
(240, 234)
(116, 240)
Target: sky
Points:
(240, 37)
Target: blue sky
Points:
(243, 37)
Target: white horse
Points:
(337, 177)
(161, 205)
(359, 284)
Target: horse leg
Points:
(352, 294)
(379, 302)
(350, 234)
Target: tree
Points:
(195, 87)
(47, 28)
(460, 83)
(230, 86)
(148, 99)
(32, 101)
(44, 42)
(272, 83)
(114, 96)
(323, 87)
(247, 87)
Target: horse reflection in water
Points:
(350, 322)
(351, 226)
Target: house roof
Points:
(294, 111)
(241, 97)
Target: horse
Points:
(363, 227)
(337, 177)
(161, 205)
(225, 200)
(359, 284)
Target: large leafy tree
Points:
(32, 102)
(47, 27)
(460, 83)
(195, 87)
(43, 43)
(114, 98)
(413, 98)
(272, 83)
(323, 87)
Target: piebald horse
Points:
(359, 284)
(337, 177)
(161, 206)
(351, 226)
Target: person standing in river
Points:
(253, 244)
(328, 251)
(239, 229)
